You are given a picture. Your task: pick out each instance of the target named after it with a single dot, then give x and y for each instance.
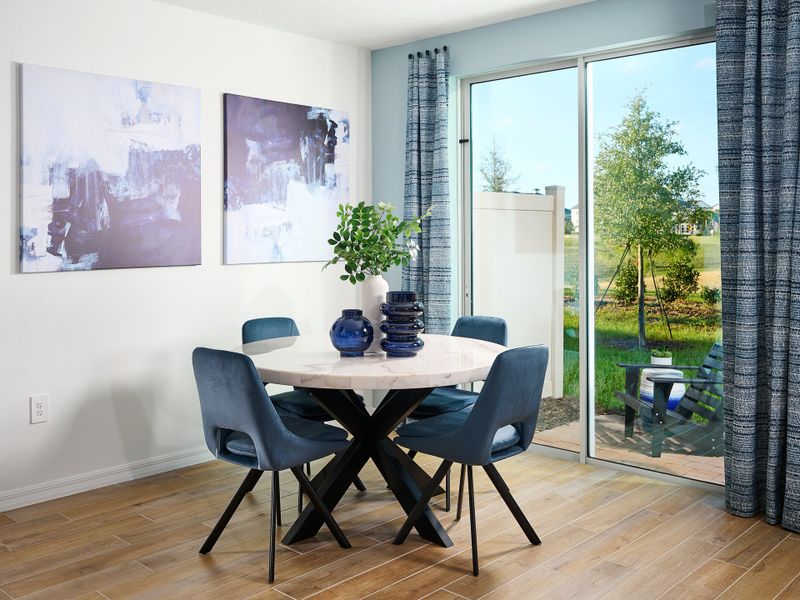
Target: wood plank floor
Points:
(606, 534)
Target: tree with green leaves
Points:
(496, 171)
(640, 197)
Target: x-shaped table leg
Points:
(370, 440)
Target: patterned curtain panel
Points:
(758, 70)
(427, 185)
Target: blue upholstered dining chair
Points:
(296, 402)
(499, 425)
(243, 427)
(449, 399)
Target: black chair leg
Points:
(277, 498)
(273, 525)
(412, 454)
(461, 491)
(359, 484)
(473, 528)
(422, 503)
(247, 485)
(505, 493)
(314, 498)
(447, 491)
(300, 491)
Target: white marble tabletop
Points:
(311, 361)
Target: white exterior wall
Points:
(518, 270)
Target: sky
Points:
(534, 118)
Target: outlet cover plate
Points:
(40, 408)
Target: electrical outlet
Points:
(40, 408)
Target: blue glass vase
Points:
(351, 333)
(402, 324)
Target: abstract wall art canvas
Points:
(286, 171)
(110, 172)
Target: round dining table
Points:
(310, 362)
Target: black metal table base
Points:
(370, 441)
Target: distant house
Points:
(709, 226)
(575, 218)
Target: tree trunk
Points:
(642, 336)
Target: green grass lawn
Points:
(695, 326)
(615, 341)
(706, 261)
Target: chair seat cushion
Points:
(300, 403)
(240, 443)
(504, 438)
(442, 401)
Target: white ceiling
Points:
(373, 24)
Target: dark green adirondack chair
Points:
(703, 397)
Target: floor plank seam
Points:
(146, 517)
(282, 545)
(747, 571)
(733, 541)
(449, 592)
(368, 549)
(784, 588)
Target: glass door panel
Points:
(524, 228)
(652, 164)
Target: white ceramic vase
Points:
(373, 294)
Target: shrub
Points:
(710, 295)
(627, 283)
(680, 280)
(660, 353)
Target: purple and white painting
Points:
(286, 171)
(110, 172)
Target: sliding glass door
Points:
(600, 176)
(524, 245)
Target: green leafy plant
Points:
(660, 353)
(679, 281)
(367, 240)
(710, 295)
(626, 285)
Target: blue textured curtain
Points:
(427, 184)
(758, 70)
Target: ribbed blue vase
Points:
(402, 324)
(351, 333)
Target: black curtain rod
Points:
(428, 52)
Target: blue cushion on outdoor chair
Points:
(506, 437)
(444, 400)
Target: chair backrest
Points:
(267, 328)
(511, 396)
(232, 398)
(705, 399)
(488, 329)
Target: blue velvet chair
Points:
(243, 427)
(499, 425)
(450, 399)
(297, 402)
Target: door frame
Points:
(586, 234)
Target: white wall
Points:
(113, 347)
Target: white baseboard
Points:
(102, 477)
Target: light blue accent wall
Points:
(582, 29)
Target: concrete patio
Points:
(611, 445)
